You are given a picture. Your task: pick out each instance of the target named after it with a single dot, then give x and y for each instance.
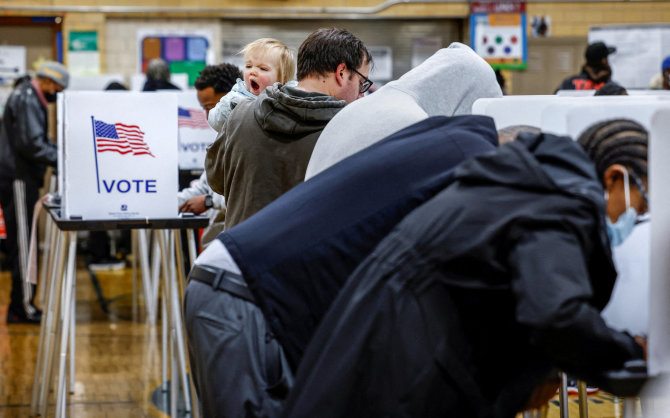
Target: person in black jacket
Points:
(595, 72)
(478, 294)
(25, 151)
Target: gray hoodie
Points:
(446, 84)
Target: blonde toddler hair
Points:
(285, 57)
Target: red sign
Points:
(498, 7)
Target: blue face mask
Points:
(623, 227)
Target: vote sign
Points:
(119, 157)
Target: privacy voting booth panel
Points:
(93, 82)
(659, 165)
(571, 116)
(641, 292)
(119, 155)
(195, 134)
(513, 110)
(547, 112)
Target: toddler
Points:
(266, 61)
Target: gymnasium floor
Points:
(118, 357)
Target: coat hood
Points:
(544, 162)
(556, 164)
(449, 82)
(287, 113)
(446, 84)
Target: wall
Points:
(122, 44)
(393, 22)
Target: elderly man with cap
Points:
(595, 73)
(25, 151)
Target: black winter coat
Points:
(474, 297)
(25, 150)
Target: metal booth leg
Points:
(583, 400)
(68, 287)
(171, 300)
(42, 380)
(563, 396)
(146, 276)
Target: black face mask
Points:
(51, 97)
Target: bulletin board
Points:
(498, 34)
(185, 52)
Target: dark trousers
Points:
(239, 368)
(12, 194)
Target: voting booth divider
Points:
(571, 115)
(195, 134)
(117, 169)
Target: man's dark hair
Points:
(115, 85)
(618, 141)
(221, 77)
(326, 48)
(611, 89)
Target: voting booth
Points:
(640, 299)
(117, 169)
(195, 134)
(118, 155)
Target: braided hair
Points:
(618, 141)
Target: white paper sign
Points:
(119, 155)
(195, 134)
(640, 50)
(383, 63)
(423, 48)
(12, 61)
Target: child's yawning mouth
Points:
(255, 87)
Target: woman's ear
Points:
(612, 174)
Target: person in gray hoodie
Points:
(446, 84)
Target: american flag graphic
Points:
(192, 118)
(121, 138)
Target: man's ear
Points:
(339, 73)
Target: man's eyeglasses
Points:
(365, 85)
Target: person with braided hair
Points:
(480, 294)
(619, 150)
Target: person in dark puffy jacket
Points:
(479, 293)
(25, 152)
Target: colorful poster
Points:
(184, 51)
(498, 34)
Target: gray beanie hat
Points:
(56, 72)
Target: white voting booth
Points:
(195, 134)
(117, 168)
(93, 82)
(119, 157)
(647, 296)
